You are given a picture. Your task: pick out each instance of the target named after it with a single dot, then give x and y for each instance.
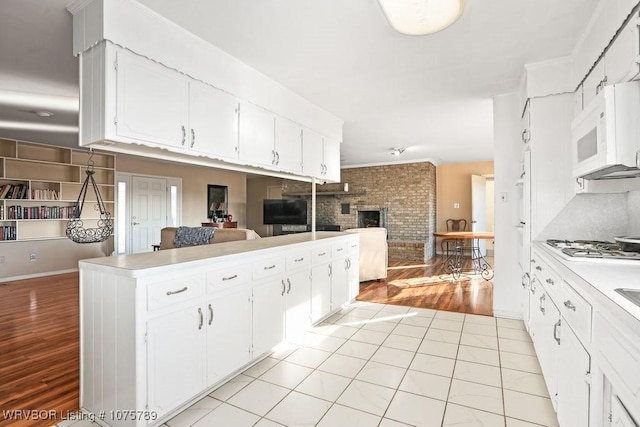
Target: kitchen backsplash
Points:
(596, 217)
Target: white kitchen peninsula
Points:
(163, 328)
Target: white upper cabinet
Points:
(212, 122)
(312, 154)
(332, 159)
(594, 83)
(152, 102)
(288, 146)
(256, 136)
(621, 59)
(320, 156)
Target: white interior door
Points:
(148, 212)
(479, 207)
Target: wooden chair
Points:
(452, 225)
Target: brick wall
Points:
(407, 191)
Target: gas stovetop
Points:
(593, 249)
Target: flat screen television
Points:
(285, 211)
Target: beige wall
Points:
(453, 183)
(257, 191)
(194, 186)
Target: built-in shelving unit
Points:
(39, 187)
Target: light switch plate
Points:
(456, 206)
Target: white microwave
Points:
(605, 136)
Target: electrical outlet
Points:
(503, 197)
(2, 259)
(32, 257)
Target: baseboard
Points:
(36, 275)
(507, 314)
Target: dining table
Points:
(455, 261)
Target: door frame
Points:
(124, 247)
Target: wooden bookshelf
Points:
(48, 180)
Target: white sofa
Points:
(374, 252)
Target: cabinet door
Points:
(353, 277)
(593, 83)
(176, 358)
(525, 124)
(312, 154)
(578, 101)
(620, 59)
(298, 307)
(288, 146)
(212, 122)
(573, 389)
(619, 415)
(339, 283)
(256, 136)
(268, 315)
(550, 346)
(228, 317)
(152, 102)
(526, 305)
(332, 159)
(320, 292)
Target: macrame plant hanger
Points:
(75, 227)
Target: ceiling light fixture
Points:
(397, 151)
(421, 17)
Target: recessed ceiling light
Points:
(43, 113)
(421, 17)
(397, 151)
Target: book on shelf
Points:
(14, 191)
(8, 232)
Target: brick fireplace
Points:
(403, 195)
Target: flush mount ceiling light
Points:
(397, 151)
(421, 17)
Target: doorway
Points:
(145, 204)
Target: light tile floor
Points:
(384, 365)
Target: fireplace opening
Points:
(368, 219)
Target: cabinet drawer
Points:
(353, 246)
(174, 291)
(577, 311)
(268, 267)
(339, 249)
(545, 274)
(298, 259)
(219, 279)
(321, 254)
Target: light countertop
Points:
(135, 264)
(604, 276)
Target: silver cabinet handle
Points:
(193, 138)
(277, 158)
(210, 314)
(533, 289)
(135, 223)
(270, 267)
(339, 249)
(283, 288)
(569, 305)
(322, 254)
(184, 135)
(556, 335)
(538, 268)
(542, 300)
(346, 264)
(330, 270)
(298, 260)
(273, 157)
(235, 276)
(533, 261)
(178, 291)
(201, 318)
(550, 281)
(289, 288)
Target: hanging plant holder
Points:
(75, 226)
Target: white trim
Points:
(364, 165)
(36, 275)
(507, 314)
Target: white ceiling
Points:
(431, 94)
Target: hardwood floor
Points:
(427, 285)
(39, 349)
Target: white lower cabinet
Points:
(574, 376)
(339, 282)
(619, 415)
(353, 277)
(228, 330)
(183, 328)
(176, 358)
(268, 315)
(545, 323)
